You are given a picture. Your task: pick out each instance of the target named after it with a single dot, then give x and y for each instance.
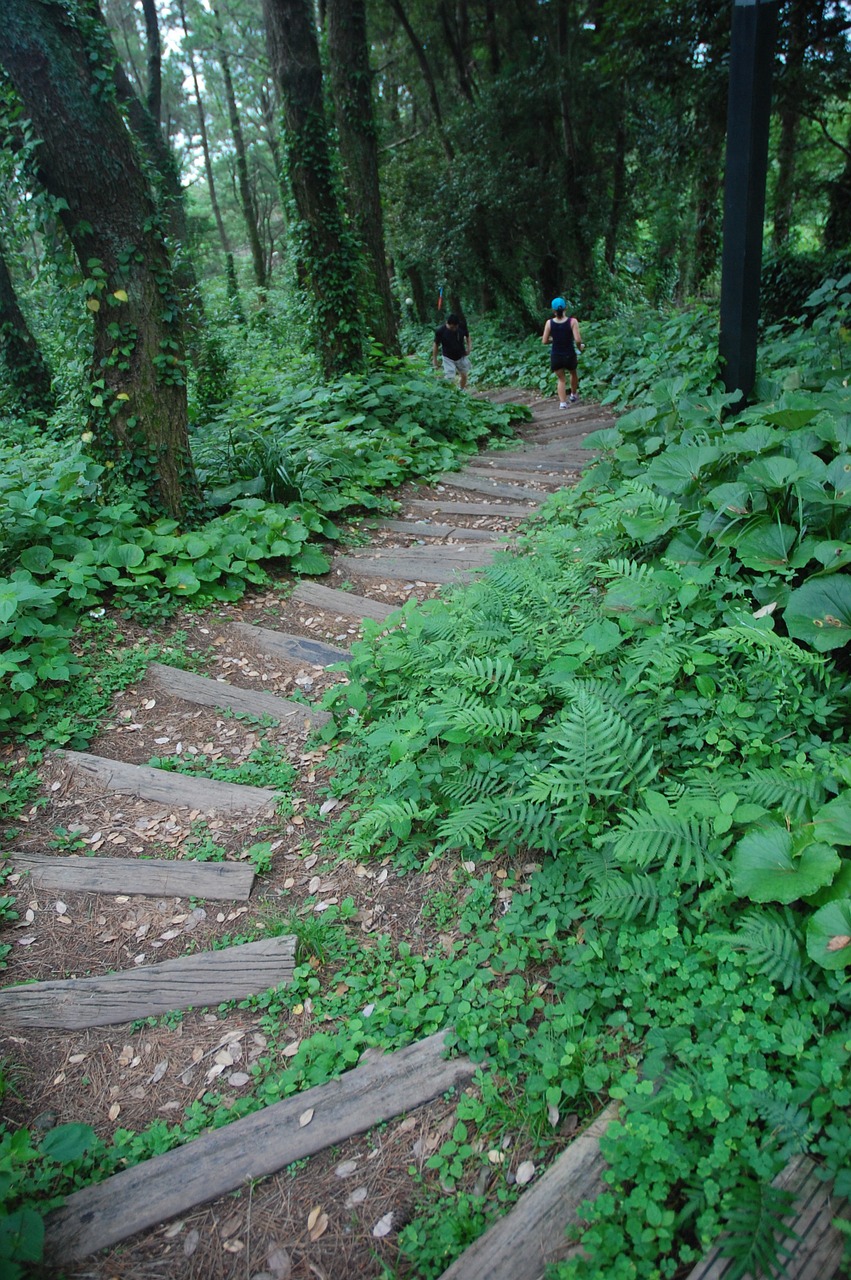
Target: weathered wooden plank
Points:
(424, 564)
(425, 529)
(341, 602)
(467, 480)
(152, 879)
(511, 476)
(437, 506)
(815, 1246)
(293, 648)
(250, 1148)
(178, 789)
(532, 458)
(204, 978)
(215, 693)
(531, 1236)
(572, 431)
(506, 395)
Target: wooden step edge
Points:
(816, 1247)
(194, 981)
(253, 1147)
(152, 878)
(521, 1245)
(204, 692)
(426, 529)
(294, 649)
(185, 791)
(345, 603)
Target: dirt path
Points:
(337, 1215)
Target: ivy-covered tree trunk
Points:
(25, 366)
(351, 80)
(326, 254)
(59, 62)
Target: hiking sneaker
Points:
(573, 399)
(562, 404)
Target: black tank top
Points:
(561, 332)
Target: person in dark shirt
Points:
(562, 334)
(453, 341)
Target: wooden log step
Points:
(468, 479)
(426, 529)
(254, 1147)
(513, 477)
(176, 789)
(152, 879)
(423, 564)
(532, 458)
(548, 435)
(506, 395)
(294, 649)
(204, 978)
(437, 506)
(341, 602)
(815, 1246)
(522, 1245)
(216, 693)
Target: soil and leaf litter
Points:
(604, 794)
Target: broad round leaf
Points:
(67, 1142)
(182, 580)
(829, 935)
(819, 612)
(832, 822)
(36, 559)
(765, 869)
(125, 555)
(765, 545)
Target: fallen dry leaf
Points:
(279, 1263)
(346, 1168)
(115, 1111)
(290, 1050)
(839, 942)
(356, 1197)
(525, 1173)
(305, 1118)
(190, 1244)
(383, 1226)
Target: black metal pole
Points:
(748, 119)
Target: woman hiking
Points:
(561, 334)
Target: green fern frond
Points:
(747, 638)
(755, 1231)
(487, 674)
(795, 791)
(772, 944)
(626, 897)
(597, 753)
(532, 826)
(487, 722)
(623, 568)
(468, 826)
(390, 816)
(644, 839)
(790, 1127)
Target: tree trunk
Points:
(246, 199)
(837, 228)
(616, 208)
(25, 366)
(155, 82)
(425, 68)
(351, 81)
(326, 254)
(86, 159)
(790, 97)
(456, 33)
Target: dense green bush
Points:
(789, 278)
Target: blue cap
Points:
(558, 302)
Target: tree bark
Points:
(86, 159)
(351, 81)
(155, 81)
(246, 199)
(425, 68)
(326, 254)
(26, 368)
(790, 94)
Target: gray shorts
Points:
(451, 367)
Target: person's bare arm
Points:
(577, 336)
(434, 354)
(468, 345)
(546, 336)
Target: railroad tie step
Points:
(298, 649)
(205, 692)
(436, 506)
(428, 529)
(193, 981)
(344, 603)
(180, 790)
(419, 564)
(226, 881)
(476, 483)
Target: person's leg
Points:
(449, 368)
(574, 382)
(463, 367)
(562, 391)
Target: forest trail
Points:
(140, 905)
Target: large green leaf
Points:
(182, 580)
(763, 545)
(765, 868)
(819, 612)
(37, 559)
(679, 467)
(833, 554)
(829, 935)
(832, 821)
(67, 1142)
(125, 555)
(839, 475)
(776, 472)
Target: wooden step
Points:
(193, 981)
(216, 693)
(522, 1245)
(255, 1146)
(436, 506)
(419, 564)
(299, 649)
(341, 602)
(152, 879)
(532, 458)
(489, 470)
(584, 427)
(468, 479)
(815, 1246)
(183, 791)
(506, 395)
(426, 529)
